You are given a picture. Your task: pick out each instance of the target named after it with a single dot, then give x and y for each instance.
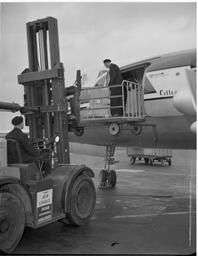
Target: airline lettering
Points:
(167, 92)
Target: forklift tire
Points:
(83, 200)
(12, 221)
(112, 179)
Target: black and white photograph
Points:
(98, 124)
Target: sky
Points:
(90, 32)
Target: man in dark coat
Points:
(115, 79)
(28, 153)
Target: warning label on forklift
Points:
(44, 205)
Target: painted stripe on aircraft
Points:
(159, 98)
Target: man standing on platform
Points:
(116, 78)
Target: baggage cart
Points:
(150, 155)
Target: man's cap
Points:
(106, 60)
(17, 120)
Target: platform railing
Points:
(98, 101)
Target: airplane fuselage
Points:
(167, 120)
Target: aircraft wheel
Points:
(169, 162)
(83, 200)
(132, 160)
(112, 179)
(12, 221)
(103, 176)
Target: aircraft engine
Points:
(193, 127)
(184, 99)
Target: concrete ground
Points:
(151, 210)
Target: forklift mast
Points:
(44, 87)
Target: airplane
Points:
(167, 112)
(160, 110)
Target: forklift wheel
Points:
(12, 221)
(83, 200)
(112, 179)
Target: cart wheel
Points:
(169, 162)
(151, 161)
(146, 161)
(83, 200)
(136, 129)
(79, 131)
(162, 162)
(112, 179)
(114, 129)
(132, 160)
(12, 221)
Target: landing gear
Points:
(108, 177)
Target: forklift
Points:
(28, 198)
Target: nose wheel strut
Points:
(107, 177)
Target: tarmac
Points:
(151, 210)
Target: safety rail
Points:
(100, 99)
